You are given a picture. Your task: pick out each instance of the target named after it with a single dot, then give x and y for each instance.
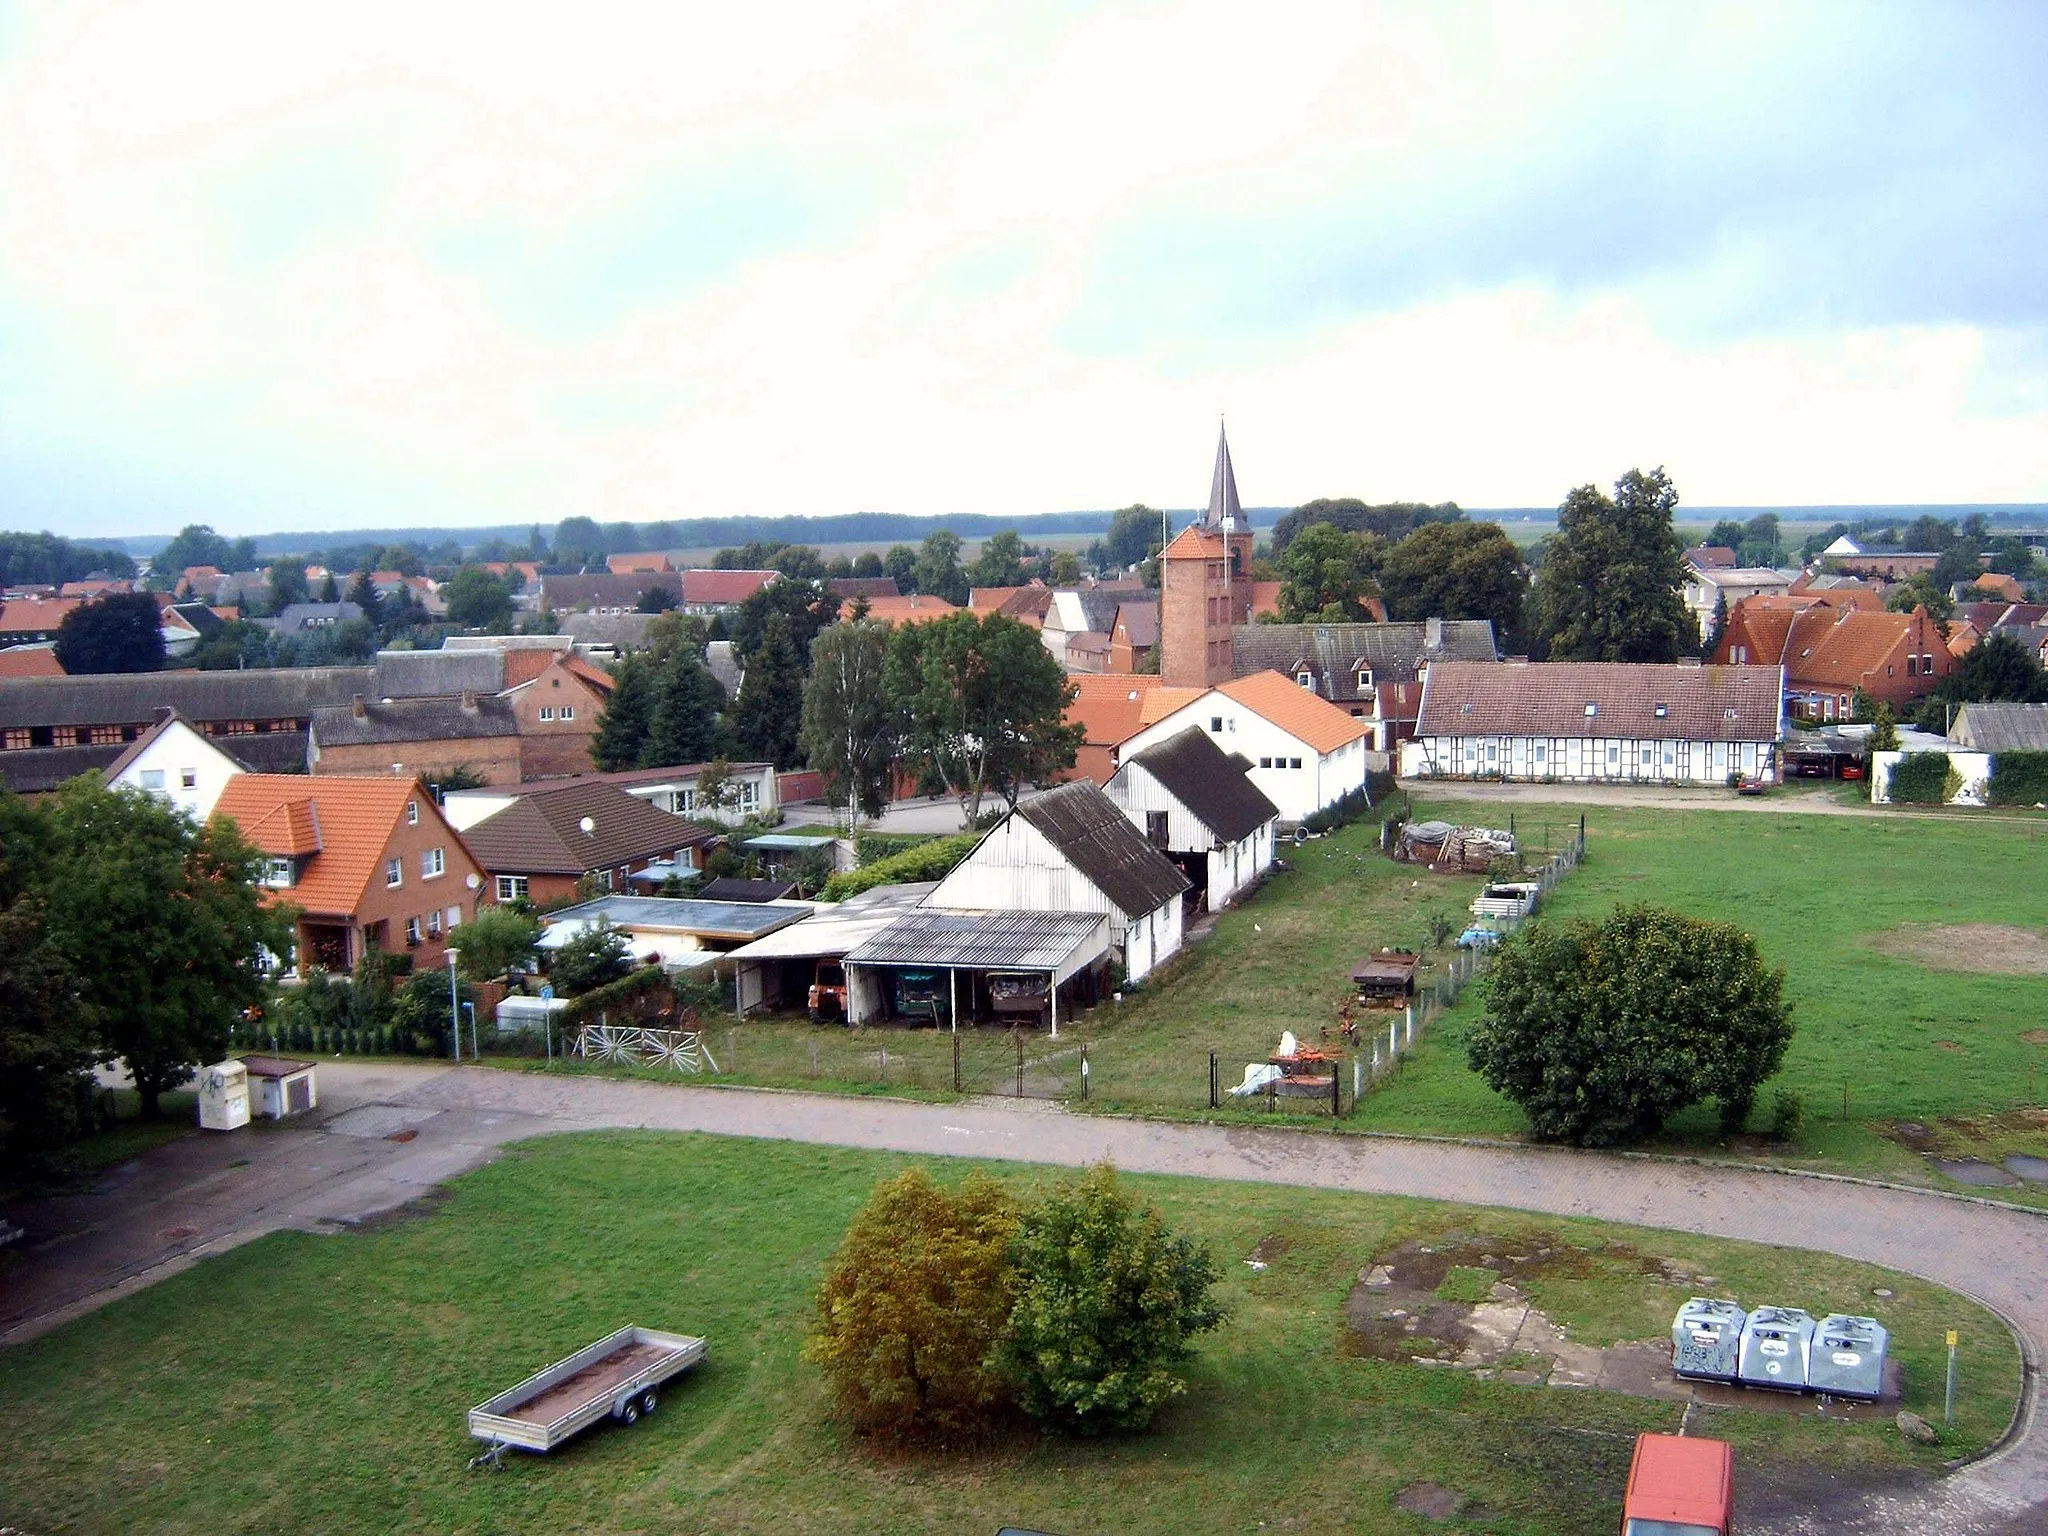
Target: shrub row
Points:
(1341, 812)
(2017, 778)
(873, 847)
(1924, 778)
(932, 860)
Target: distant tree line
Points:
(45, 560)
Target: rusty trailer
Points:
(1387, 979)
(618, 1377)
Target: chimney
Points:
(469, 701)
(1433, 634)
(360, 709)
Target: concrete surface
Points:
(206, 1192)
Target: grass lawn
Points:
(1821, 893)
(319, 1382)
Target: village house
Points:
(1829, 655)
(751, 789)
(177, 764)
(1071, 850)
(1304, 752)
(367, 864)
(709, 592)
(1370, 671)
(1196, 805)
(679, 933)
(1110, 710)
(637, 564)
(1134, 636)
(1585, 721)
(606, 592)
(556, 710)
(33, 660)
(1708, 586)
(917, 608)
(1998, 728)
(552, 837)
(427, 738)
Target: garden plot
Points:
(1463, 1302)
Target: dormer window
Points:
(278, 873)
(1306, 679)
(1592, 710)
(1365, 677)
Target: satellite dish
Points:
(474, 881)
(589, 827)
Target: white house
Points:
(1071, 850)
(177, 763)
(1589, 721)
(1302, 751)
(1706, 586)
(1197, 806)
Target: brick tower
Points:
(1205, 585)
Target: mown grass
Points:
(319, 1383)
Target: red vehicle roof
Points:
(1682, 1479)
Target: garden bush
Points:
(932, 860)
(2019, 778)
(873, 847)
(1924, 778)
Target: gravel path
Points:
(1998, 1255)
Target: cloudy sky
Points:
(293, 266)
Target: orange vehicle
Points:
(1679, 1485)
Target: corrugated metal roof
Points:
(1022, 941)
(719, 919)
(1095, 837)
(2001, 727)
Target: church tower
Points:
(1205, 585)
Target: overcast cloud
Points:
(316, 267)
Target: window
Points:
(188, 778)
(1662, 711)
(1912, 665)
(1294, 762)
(547, 711)
(1216, 724)
(1155, 828)
(1365, 677)
(1647, 753)
(277, 872)
(1614, 754)
(394, 871)
(1306, 679)
(1592, 710)
(104, 735)
(434, 923)
(1927, 665)
(432, 863)
(16, 739)
(568, 712)
(412, 813)
(153, 780)
(511, 887)
(1265, 762)
(412, 930)
(1539, 751)
(454, 916)
(750, 795)
(1492, 752)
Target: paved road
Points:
(305, 1176)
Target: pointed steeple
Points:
(1224, 512)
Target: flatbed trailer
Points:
(620, 1377)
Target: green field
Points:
(318, 1382)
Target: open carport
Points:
(940, 965)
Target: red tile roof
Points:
(33, 615)
(624, 565)
(1265, 597)
(29, 661)
(1601, 699)
(914, 609)
(723, 588)
(1306, 716)
(341, 825)
(1844, 650)
(1193, 544)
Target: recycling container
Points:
(1776, 1344)
(1848, 1357)
(1706, 1340)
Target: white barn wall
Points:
(1297, 792)
(1230, 869)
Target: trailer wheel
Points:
(648, 1399)
(629, 1411)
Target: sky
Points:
(288, 267)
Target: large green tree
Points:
(162, 925)
(197, 544)
(767, 715)
(1610, 584)
(287, 583)
(1456, 571)
(579, 542)
(622, 728)
(984, 704)
(1601, 1031)
(1000, 562)
(938, 569)
(1325, 572)
(121, 632)
(850, 727)
(478, 600)
(1108, 1300)
(684, 724)
(802, 604)
(1386, 520)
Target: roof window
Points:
(1663, 710)
(1592, 710)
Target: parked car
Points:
(1679, 1486)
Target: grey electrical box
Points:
(1706, 1340)
(1776, 1345)
(1847, 1359)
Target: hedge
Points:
(873, 847)
(2018, 778)
(932, 860)
(1924, 778)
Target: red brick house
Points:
(369, 864)
(556, 701)
(1829, 654)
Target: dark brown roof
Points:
(1202, 777)
(732, 888)
(606, 590)
(38, 770)
(850, 587)
(1334, 654)
(1086, 827)
(134, 698)
(398, 720)
(543, 834)
(1643, 702)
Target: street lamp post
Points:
(454, 1006)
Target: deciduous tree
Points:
(594, 957)
(850, 727)
(938, 567)
(478, 600)
(1456, 571)
(121, 632)
(287, 583)
(1107, 1301)
(1326, 572)
(495, 940)
(1609, 586)
(1603, 1031)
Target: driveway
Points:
(344, 1169)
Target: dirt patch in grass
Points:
(1432, 1501)
(428, 1204)
(1993, 948)
(1462, 1302)
(2034, 1037)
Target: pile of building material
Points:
(1451, 849)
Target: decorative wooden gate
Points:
(627, 1045)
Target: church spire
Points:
(1224, 512)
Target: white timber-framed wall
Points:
(1586, 759)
